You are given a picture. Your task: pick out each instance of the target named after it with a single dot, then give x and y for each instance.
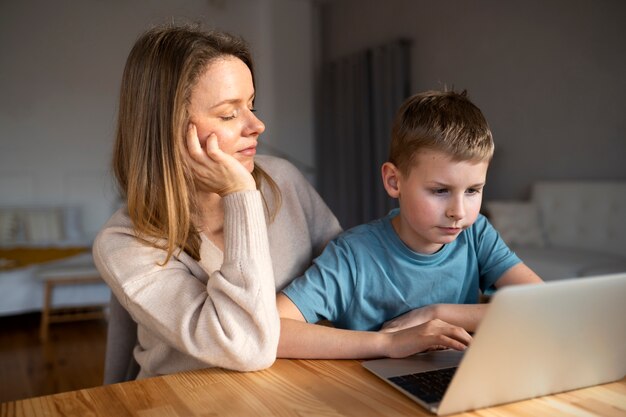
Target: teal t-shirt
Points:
(367, 275)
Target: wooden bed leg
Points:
(45, 312)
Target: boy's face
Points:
(438, 199)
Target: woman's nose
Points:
(254, 126)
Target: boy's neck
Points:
(423, 248)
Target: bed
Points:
(37, 243)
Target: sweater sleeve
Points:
(494, 256)
(231, 321)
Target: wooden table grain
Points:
(290, 388)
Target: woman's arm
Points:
(228, 319)
(299, 339)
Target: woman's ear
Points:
(391, 179)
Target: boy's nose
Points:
(456, 210)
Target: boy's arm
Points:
(299, 339)
(518, 274)
(467, 316)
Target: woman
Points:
(210, 231)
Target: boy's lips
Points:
(450, 230)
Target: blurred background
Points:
(549, 76)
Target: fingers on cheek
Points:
(196, 153)
(191, 134)
(212, 150)
(202, 142)
(212, 147)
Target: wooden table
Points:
(290, 388)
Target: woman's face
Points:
(222, 102)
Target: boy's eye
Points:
(440, 191)
(473, 191)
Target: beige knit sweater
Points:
(220, 311)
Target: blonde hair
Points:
(152, 174)
(444, 121)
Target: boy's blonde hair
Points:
(444, 121)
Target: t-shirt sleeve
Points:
(494, 256)
(326, 289)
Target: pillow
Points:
(72, 223)
(517, 222)
(8, 226)
(43, 225)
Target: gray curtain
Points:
(359, 97)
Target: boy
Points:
(410, 281)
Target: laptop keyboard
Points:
(427, 386)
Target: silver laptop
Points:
(534, 340)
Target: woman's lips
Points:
(251, 151)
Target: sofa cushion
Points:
(72, 223)
(552, 263)
(43, 225)
(583, 214)
(517, 222)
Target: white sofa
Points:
(567, 229)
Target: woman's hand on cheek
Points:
(214, 170)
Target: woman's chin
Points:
(248, 164)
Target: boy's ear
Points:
(390, 174)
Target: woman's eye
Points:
(230, 116)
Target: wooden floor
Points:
(71, 359)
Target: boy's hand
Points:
(432, 335)
(409, 319)
(215, 171)
(467, 316)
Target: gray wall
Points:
(550, 75)
(60, 67)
